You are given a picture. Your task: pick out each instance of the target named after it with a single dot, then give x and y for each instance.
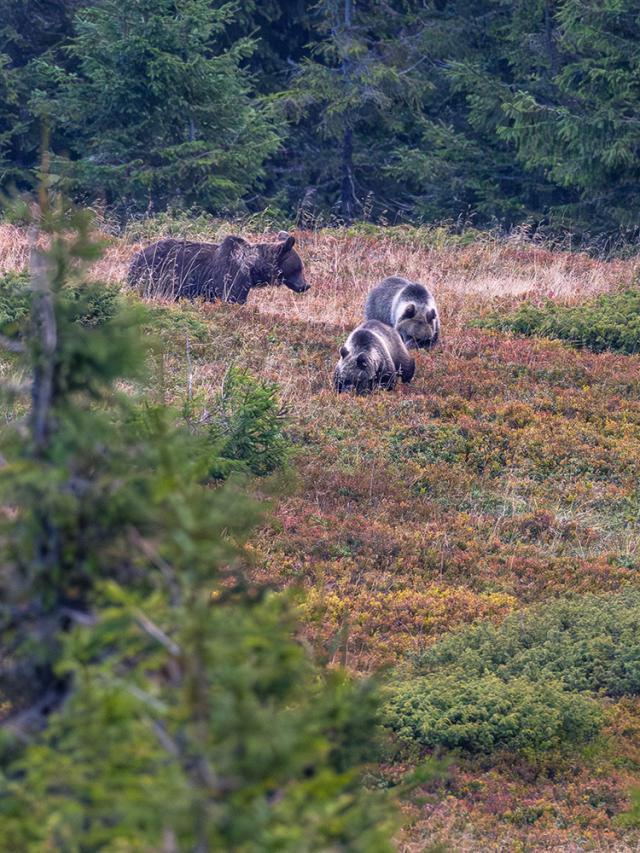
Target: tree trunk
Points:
(348, 198)
(347, 190)
(44, 324)
(552, 52)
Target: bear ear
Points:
(286, 245)
(344, 352)
(282, 235)
(409, 312)
(362, 361)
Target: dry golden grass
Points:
(341, 269)
(14, 248)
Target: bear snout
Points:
(298, 286)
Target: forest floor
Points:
(505, 475)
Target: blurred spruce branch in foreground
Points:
(152, 696)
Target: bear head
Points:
(417, 325)
(355, 372)
(288, 264)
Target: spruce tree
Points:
(155, 109)
(30, 32)
(582, 127)
(408, 98)
(152, 696)
(10, 171)
(453, 160)
(358, 87)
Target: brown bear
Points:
(178, 269)
(166, 268)
(373, 356)
(407, 306)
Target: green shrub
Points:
(609, 322)
(521, 684)
(480, 447)
(430, 443)
(484, 713)
(249, 432)
(152, 695)
(588, 643)
(95, 303)
(15, 301)
(89, 305)
(176, 323)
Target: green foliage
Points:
(581, 127)
(261, 766)
(78, 340)
(176, 323)
(521, 685)
(482, 450)
(355, 74)
(608, 322)
(587, 644)
(485, 713)
(156, 108)
(10, 125)
(30, 30)
(249, 432)
(484, 111)
(95, 304)
(631, 818)
(14, 301)
(152, 695)
(89, 306)
(454, 162)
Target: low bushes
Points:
(486, 713)
(15, 301)
(89, 305)
(249, 431)
(527, 684)
(588, 643)
(609, 322)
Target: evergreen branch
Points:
(45, 324)
(166, 570)
(156, 633)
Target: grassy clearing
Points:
(504, 476)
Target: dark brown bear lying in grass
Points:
(179, 269)
(373, 356)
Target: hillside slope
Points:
(504, 476)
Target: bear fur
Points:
(373, 356)
(407, 306)
(178, 269)
(168, 268)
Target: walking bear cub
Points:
(178, 269)
(372, 357)
(407, 306)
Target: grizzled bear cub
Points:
(372, 357)
(227, 271)
(407, 306)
